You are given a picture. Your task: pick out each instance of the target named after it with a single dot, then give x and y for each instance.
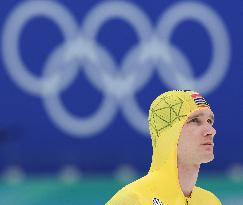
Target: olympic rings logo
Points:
(154, 52)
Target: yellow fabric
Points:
(160, 186)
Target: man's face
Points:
(196, 140)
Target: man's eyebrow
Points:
(201, 114)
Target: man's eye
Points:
(195, 120)
(210, 121)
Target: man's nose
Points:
(209, 130)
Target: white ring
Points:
(12, 32)
(218, 66)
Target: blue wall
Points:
(77, 78)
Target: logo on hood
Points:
(199, 100)
(156, 201)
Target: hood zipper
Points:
(187, 202)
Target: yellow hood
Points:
(167, 115)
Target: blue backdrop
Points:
(77, 78)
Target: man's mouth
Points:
(208, 143)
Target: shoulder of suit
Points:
(207, 194)
(124, 196)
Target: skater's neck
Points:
(188, 174)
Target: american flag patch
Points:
(157, 202)
(199, 100)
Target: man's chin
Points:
(207, 159)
